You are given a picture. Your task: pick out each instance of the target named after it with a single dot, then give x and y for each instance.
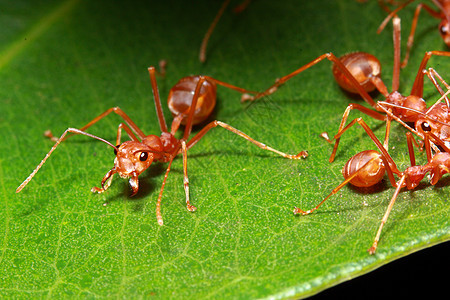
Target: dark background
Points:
(423, 275)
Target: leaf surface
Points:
(63, 63)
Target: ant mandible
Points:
(443, 13)
(368, 167)
(191, 101)
(359, 72)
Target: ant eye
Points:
(443, 30)
(425, 126)
(115, 149)
(143, 156)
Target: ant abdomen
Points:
(181, 94)
(369, 167)
(363, 66)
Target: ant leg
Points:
(122, 114)
(396, 37)
(162, 64)
(435, 73)
(128, 131)
(190, 117)
(186, 179)
(159, 112)
(417, 88)
(335, 190)
(158, 203)
(438, 141)
(238, 9)
(380, 3)
(186, 184)
(106, 182)
(116, 110)
(72, 130)
(241, 7)
(397, 45)
(48, 134)
(410, 42)
(365, 110)
(202, 53)
(400, 184)
(331, 57)
(391, 15)
(230, 86)
(411, 34)
(199, 135)
(410, 140)
(427, 146)
(387, 133)
(432, 73)
(176, 122)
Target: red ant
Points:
(191, 101)
(359, 72)
(368, 167)
(237, 9)
(436, 117)
(442, 13)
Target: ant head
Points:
(444, 30)
(132, 158)
(181, 94)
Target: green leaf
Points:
(63, 63)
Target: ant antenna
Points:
(202, 55)
(73, 130)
